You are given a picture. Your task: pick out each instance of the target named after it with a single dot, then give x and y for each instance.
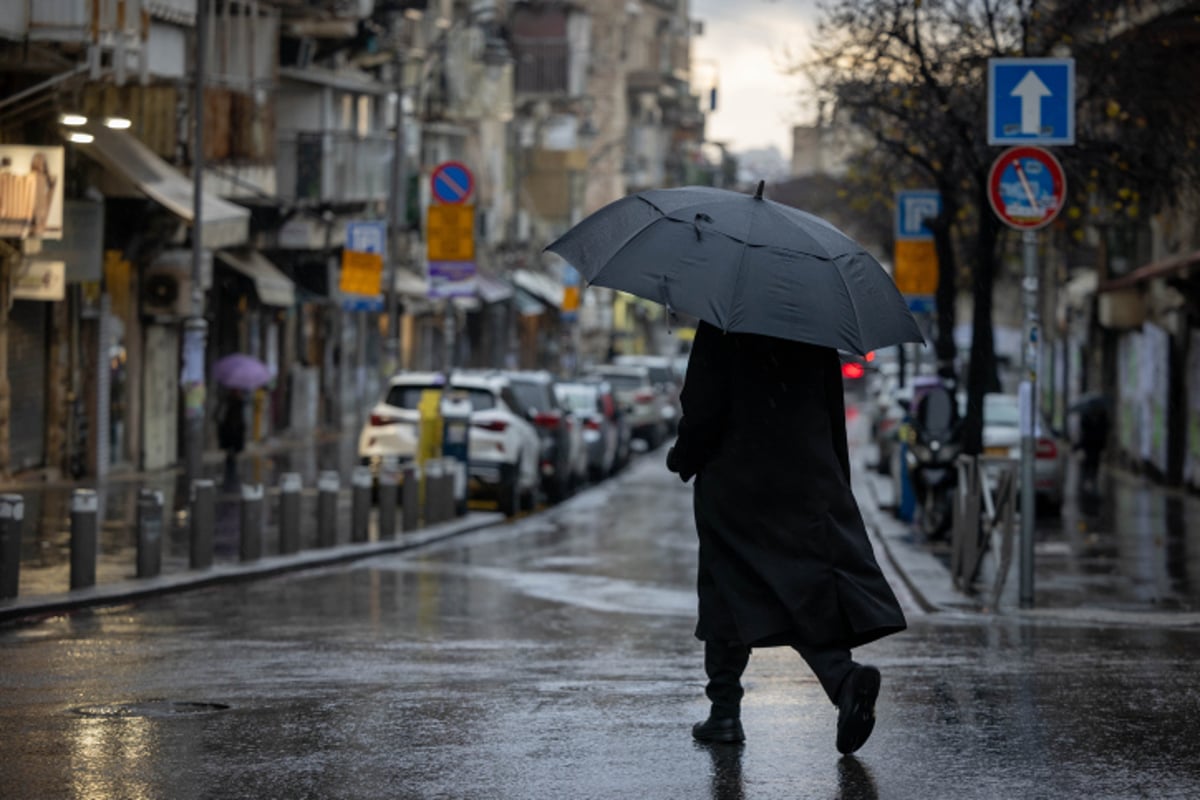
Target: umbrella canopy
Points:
(240, 371)
(742, 263)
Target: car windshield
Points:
(481, 399)
(408, 395)
(577, 398)
(661, 374)
(531, 395)
(624, 383)
(1001, 410)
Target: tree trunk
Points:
(981, 373)
(944, 299)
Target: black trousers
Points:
(724, 664)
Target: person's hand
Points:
(674, 466)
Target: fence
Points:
(423, 496)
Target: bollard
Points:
(84, 508)
(434, 476)
(360, 504)
(327, 498)
(251, 544)
(410, 502)
(445, 492)
(204, 500)
(12, 514)
(388, 490)
(149, 532)
(289, 512)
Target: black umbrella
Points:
(742, 263)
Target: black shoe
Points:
(719, 729)
(856, 708)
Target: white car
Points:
(640, 401)
(502, 446)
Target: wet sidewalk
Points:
(1130, 550)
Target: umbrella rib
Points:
(850, 297)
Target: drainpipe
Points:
(195, 327)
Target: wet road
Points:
(553, 658)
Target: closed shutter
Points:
(27, 380)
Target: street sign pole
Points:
(1029, 384)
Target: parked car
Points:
(502, 446)
(667, 382)
(640, 402)
(587, 401)
(563, 460)
(1002, 437)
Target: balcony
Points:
(333, 167)
(103, 22)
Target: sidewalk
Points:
(1133, 559)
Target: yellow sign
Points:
(450, 233)
(916, 267)
(570, 298)
(362, 273)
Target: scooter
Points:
(934, 442)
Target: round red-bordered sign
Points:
(1027, 187)
(451, 182)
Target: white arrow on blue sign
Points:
(1031, 101)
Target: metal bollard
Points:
(251, 540)
(410, 502)
(328, 485)
(433, 492)
(360, 507)
(84, 508)
(289, 512)
(149, 532)
(12, 513)
(204, 520)
(445, 494)
(388, 490)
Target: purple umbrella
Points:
(240, 371)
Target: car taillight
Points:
(547, 419)
(643, 397)
(493, 425)
(380, 419)
(1046, 448)
(852, 370)
(592, 425)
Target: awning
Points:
(527, 304)
(492, 290)
(224, 223)
(540, 285)
(273, 287)
(1155, 269)
(410, 284)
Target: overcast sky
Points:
(745, 42)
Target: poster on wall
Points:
(31, 192)
(1191, 464)
(1128, 409)
(1154, 390)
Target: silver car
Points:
(640, 401)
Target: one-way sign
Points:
(1031, 101)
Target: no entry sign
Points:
(1026, 187)
(451, 182)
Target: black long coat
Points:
(784, 554)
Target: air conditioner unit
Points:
(166, 292)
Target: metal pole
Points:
(12, 512)
(84, 508)
(149, 532)
(204, 498)
(328, 485)
(289, 512)
(398, 224)
(251, 539)
(388, 490)
(360, 508)
(410, 503)
(1029, 406)
(195, 328)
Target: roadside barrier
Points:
(403, 505)
(985, 502)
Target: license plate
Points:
(995, 451)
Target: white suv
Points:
(503, 446)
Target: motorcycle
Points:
(934, 442)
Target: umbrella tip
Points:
(758, 192)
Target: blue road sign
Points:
(921, 304)
(451, 182)
(1031, 101)
(367, 237)
(912, 209)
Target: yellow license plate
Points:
(995, 451)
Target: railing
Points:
(984, 509)
(331, 167)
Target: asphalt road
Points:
(553, 658)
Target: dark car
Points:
(563, 463)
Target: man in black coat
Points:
(784, 554)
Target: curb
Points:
(34, 609)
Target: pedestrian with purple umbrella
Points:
(231, 432)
